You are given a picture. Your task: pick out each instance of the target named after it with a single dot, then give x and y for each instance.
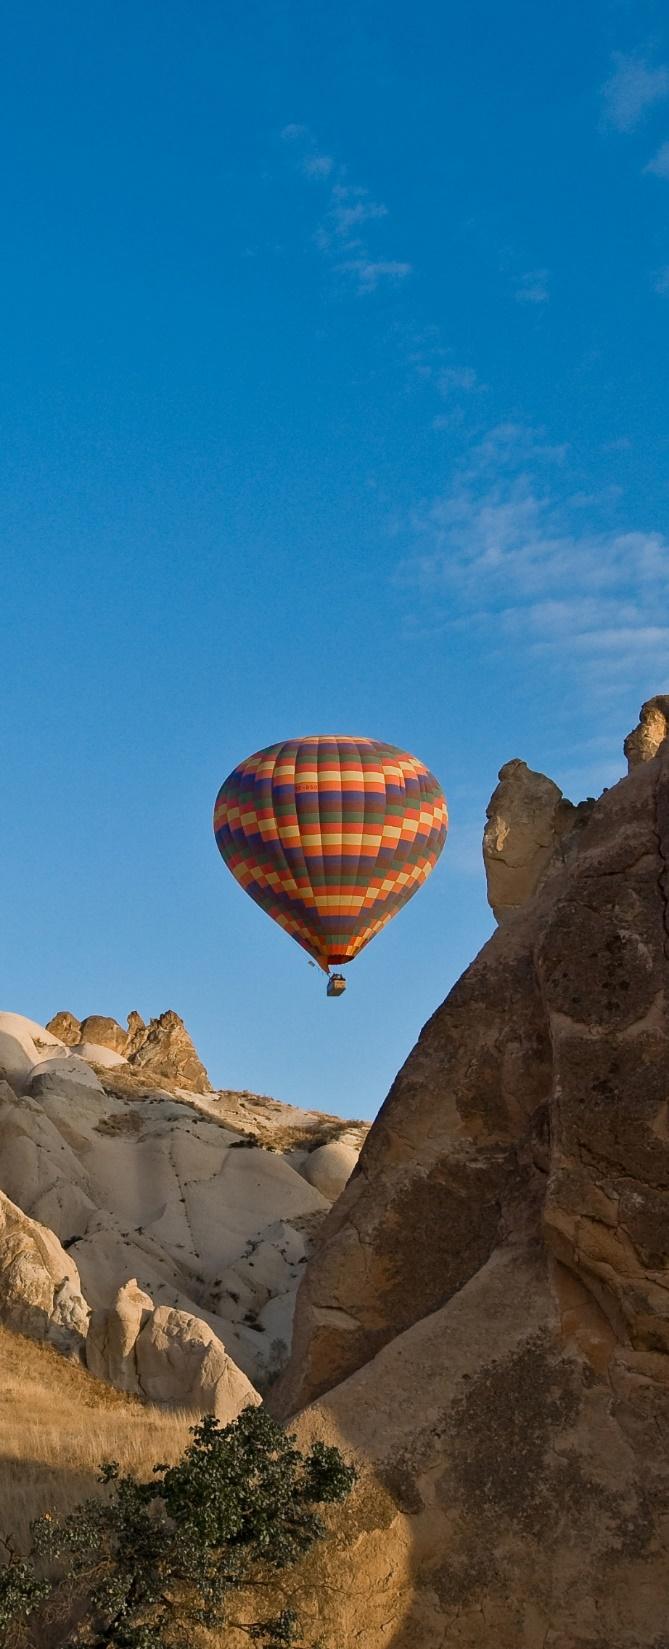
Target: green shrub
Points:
(139, 1565)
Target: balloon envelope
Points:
(331, 835)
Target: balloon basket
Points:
(336, 984)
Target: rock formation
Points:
(163, 1047)
(166, 1356)
(103, 1033)
(643, 743)
(528, 829)
(65, 1028)
(485, 1322)
(40, 1293)
(203, 1197)
(330, 1166)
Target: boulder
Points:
(165, 1355)
(61, 1076)
(105, 1033)
(329, 1167)
(182, 1362)
(40, 1293)
(65, 1027)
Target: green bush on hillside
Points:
(141, 1565)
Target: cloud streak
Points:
(501, 550)
(533, 287)
(632, 89)
(659, 165)
(342, 235)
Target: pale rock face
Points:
(23, 1044)
(61, 1075)
(40, 1293)
(163, 1187)
(112, 1335)
(276, 1318)
(96, 1054)
(148, 1187)
(165, 1355)
(329, 1167)
(181, 1361)
(643, 743)
(485, 1321)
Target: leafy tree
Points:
(142, 1564)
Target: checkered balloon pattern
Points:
(331, 836)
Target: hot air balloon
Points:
(331, 836)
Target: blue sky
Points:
(333, 394)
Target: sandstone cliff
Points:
(486, 1319)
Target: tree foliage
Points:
(143, 1563)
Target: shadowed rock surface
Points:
(486, 1319)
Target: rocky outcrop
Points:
(40, 1293)
(66, 1028)
(166, 1050)
(530, 826)
(181, 1361)
(137, 1180)
(112, 1337)
(486, 1318)
(105, 1033)
(163, 1047)
(643, 743)
(165, 1355)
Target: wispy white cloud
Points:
(632, 89)
(457, 378)
(369, 274)
(349, 211)
(533, 287)
(293, 132)
(659, 165)
(501, 550)
(317, 166)
(351, 207)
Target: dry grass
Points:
(263, 1121)
(57, 1423)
